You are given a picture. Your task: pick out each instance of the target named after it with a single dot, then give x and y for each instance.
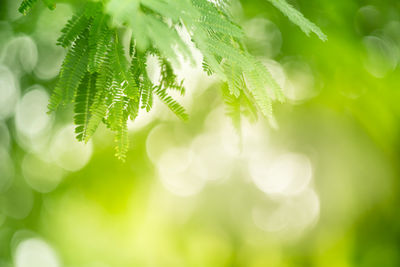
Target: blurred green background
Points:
(319, 188)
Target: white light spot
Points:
(277, 71)
(50, 61)
(31, 118)
(300, 84)
(44, 182)
(291, 217)
(305, 208)
(160, 139)
(178, 173)
(67, 152)
(288, 174)
(21, 54)
(153, 69)
(35, 252)
(223, 131)
(214, 162)
(9, 91)
(28, 55)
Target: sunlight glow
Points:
(291, 217)
(31, 118)
(35, 252)
(178, 173)
(67, 152)
(288, 174)
(300, 82)
(44, 182)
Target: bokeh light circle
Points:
(41, 175)
(35, 252)
(31, 118)
(177, 172)
(67, 152)
(288, 174)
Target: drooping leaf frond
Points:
(239, 106)
(116, 119)
(121, 70)
(26, 6)
(98, 109)
(105, 75)
(172, 104)
(75, 26)
(99, 40)
(213, 18)
(83, 102)
(122, 142)
(232, 106)
(72, 72)
(297, 18)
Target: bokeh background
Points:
(318, 188)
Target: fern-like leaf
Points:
(99, 107)
(72, 72)
(174, 106)
(259, 91)
(122, 142)
(297, 18)
(147, 95)
(83, 102)
(99, 39)
(75, 26)
(117, 118)
(235, 79)
(111, 85)
(26, 6)
(232, 106)
(212, 18)
(124, 76)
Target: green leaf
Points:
(123, 75)
(174, 106)
(83, 102)
(122, 142)
(26, 6)
(72, 72)
(75, 26)
(99, 107)
(297, 18)
(111, 85)
(232, 106)
(99, 40)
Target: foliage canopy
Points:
(107, 80)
